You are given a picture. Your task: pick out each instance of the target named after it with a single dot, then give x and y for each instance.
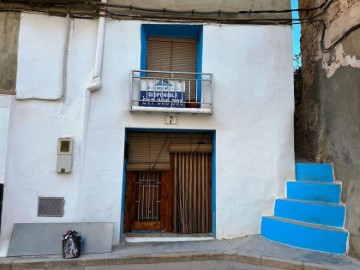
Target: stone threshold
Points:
(165, 237)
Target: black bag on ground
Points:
(71, 245)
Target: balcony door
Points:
(173, 54)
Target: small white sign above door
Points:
(171, 120)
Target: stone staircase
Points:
(311, 216)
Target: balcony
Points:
(177, 92)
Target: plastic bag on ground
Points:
(71, 245)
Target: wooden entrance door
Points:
(171, 201)
(168, 182)
(148, 204)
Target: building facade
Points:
(180, 123)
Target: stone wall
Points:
(328, 123)
(9, 26)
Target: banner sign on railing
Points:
(165, 93)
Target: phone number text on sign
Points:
(162, 99)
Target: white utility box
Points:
(64, 155)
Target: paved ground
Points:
(252, 252)
(200, 265)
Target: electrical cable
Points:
(163, 10)
(323, 48)
(200, 19)
(339, 40)
(326, 7)
(218, 12)
(34, 6)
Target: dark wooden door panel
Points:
(130, 196)
(146, 226)
(148, 201)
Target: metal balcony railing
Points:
(165, 91)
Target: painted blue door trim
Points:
(123, 191)
(213, 186)
(213, 174)
(199, 63)
(173, 31)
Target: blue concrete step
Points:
(314, 191)
(311, 212)
(314, 172)
(304, 235)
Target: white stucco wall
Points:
(38, 55)
(253, 119)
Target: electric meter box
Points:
(64, 155)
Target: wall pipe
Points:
(94, 85)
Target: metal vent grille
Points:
(51, 207)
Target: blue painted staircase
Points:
(311, 216)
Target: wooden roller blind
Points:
(151, 151)
(171, 54)
(190, 148)
(148, 151)
(159, 54)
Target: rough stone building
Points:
(327, 122)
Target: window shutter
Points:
(151, 151)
